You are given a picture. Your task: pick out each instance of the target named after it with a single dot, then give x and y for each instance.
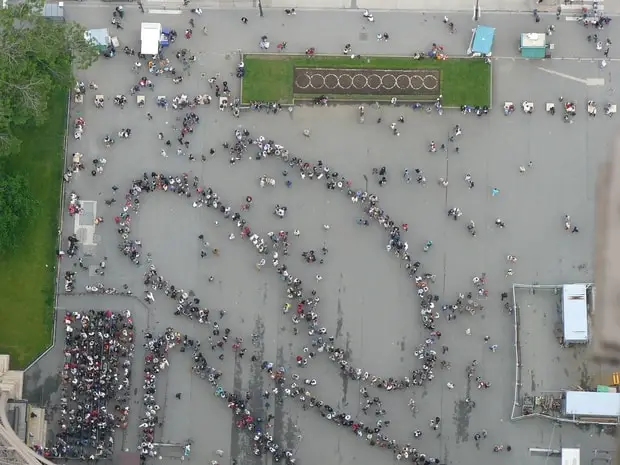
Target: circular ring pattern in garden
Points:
(334, 81)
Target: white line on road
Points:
(588, 82)
(165, 12)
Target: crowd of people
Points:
(155, 360)
(288, 384)
(90, 434)
(95, 391)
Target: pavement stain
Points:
(42, 392)
(462, 411)
(584, 377)
(256, 388)
(238, 442)
(279, 413)
(291, 435)
(340, 321)
(345, 379)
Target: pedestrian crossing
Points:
(574, 9)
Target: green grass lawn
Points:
(27, 276)
(269, 77)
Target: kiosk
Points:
(534, 45)
(602, 407)
(150, 34)
(481, 44)
(575, 314)
(571, 456)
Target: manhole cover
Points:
(363, 36)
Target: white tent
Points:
(571, 456)
(575, 313)
(592, 404)
(149, 38)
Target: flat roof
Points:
(571, 456)
(54, 10)
(483, 40)
(575, 313)
(592, 404)
(533, 39)
(149, 38)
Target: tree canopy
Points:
(17, 207)
(36, 56)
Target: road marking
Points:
(165, 12)
(587, 82)
(565, 76)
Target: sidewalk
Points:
(430, 6)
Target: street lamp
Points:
(477, 10)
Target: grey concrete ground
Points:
(484, 6)
(366, 300)
(541, 317)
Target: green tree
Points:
(17, 207)
(36, 55)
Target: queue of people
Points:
(95, 389)
(155, 360)
(189, 305)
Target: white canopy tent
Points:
(150, 34)
(592, 404)
(571, 456)
(575, 314)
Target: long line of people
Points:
(96, 373)
(155, 360)
(189, 305)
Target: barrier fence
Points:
(516, 414)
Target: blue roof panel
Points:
(483, 40)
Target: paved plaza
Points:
(366, 301)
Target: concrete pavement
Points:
(427, 6)
(366, 301)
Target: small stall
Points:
(534, 45)
(481, 44)
(54, 11)
(575, 314)
(571, 456)
(602, 407)
(150, 35)
(167, 36)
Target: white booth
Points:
(571, 456)
(580, 404)
(575, 314)
(149, 38)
